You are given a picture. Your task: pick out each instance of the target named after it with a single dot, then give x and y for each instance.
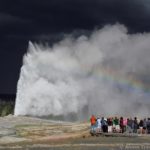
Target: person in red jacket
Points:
(93, 120)
(93, 124)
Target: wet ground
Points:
(88, 143)
(25, 133)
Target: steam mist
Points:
(69, 77)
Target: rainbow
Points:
(129, 82)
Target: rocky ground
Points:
(39, 134)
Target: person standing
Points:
(116, 122)
(99, 124)
(104, 125)
(144, 126)
(135, 125)
(141, 124)
(148, 125)
(93, 120)
(121, 125)
(110, 124)
(93, 123)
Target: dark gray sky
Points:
(48, 20)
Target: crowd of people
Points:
(120, 125)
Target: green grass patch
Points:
(6, 109)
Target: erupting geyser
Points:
(103, 74)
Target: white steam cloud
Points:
(68, 77)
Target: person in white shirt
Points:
(99, 124)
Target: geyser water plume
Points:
(103, 74)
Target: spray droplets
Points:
(68, 77)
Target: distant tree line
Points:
(7, 103)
